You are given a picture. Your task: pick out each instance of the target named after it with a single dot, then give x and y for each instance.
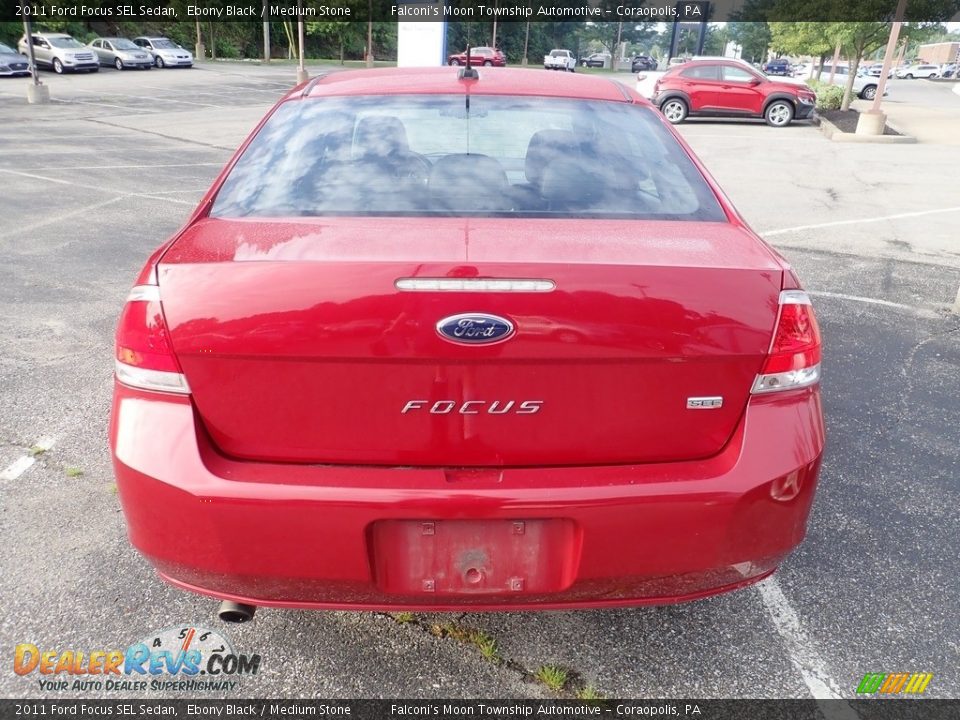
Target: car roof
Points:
(719, 58)
(444, 81)
(51, 34)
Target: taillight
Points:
(144, 355)
(794, 359)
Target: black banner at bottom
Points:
(880, 709)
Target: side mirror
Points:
(755, 81)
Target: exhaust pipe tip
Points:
(231, 612)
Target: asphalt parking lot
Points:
(91, 183)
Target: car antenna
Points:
(469, 72)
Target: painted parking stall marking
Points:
(19, 466)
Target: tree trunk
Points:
(526, 44)
(818, 68)
(852, 75)
(833, 65)
(369, 52)
(288, 31)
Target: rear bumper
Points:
(327, 536)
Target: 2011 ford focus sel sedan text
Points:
(446, 338)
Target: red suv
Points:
(479, 56)
(730, 88)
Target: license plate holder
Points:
(474, 557)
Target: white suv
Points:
(919, 71)
(59, 52)
(864, 86)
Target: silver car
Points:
(918, 71)
(121, 53)
(59, 51)
(165, 52)
(12, 63)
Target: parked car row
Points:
(62, 53)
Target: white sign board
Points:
(422, 43)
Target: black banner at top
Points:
(479, 10)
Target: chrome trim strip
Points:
(507, 285)
(711, 402)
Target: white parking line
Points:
(873, 301)
(150, 196)
(100, 104)
(120, 194)
(859, 221)
(143, 97)
(19, 466)
(37, 177)
(138, 166)
(801, 650)
(49, 220)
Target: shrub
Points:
(829, 96)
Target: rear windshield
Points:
(500, 156)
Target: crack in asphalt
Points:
(572, 685)
(902, 402)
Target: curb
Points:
(833, 133)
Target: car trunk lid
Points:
(298, 345)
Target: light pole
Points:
(37, 92)
(873, 121)
(302, 75)
(266, 32)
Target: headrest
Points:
(601, 184)
(546, 146)
(380, 135)
(468, 183)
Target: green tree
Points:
(753, 37)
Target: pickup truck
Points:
(560, 60)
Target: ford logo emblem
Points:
(475, 328)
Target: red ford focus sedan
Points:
(434, 341)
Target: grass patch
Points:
(403, 617)
(553, 676)
(73, 472)
(589, 693)
(37, 450)
(486, 644)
